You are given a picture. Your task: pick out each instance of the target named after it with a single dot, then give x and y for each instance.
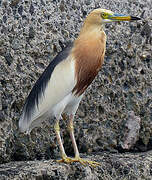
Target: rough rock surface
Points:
(32, 33)
(113, 166)
(131, 135)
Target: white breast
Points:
(68, 105)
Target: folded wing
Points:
(53, 85)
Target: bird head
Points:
(99, 17)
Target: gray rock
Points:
(0, 102)
(32, 33)
(113, 166)
(131, 134)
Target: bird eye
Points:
(103, 14)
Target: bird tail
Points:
(23, 124)
(27, 123)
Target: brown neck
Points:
(90, 42)
(88, 52)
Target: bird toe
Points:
(82, 161)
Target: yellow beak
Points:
(120, 17)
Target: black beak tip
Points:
(135, 18)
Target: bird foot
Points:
(84, 162)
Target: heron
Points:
(61, 86)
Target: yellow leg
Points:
(62, 151)
(57, 131)
(77, 156)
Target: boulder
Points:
(116, 112)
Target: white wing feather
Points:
(61, 83)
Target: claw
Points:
(65, 159)
(84, 162)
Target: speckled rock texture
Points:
(32, 32)
(113, 166)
